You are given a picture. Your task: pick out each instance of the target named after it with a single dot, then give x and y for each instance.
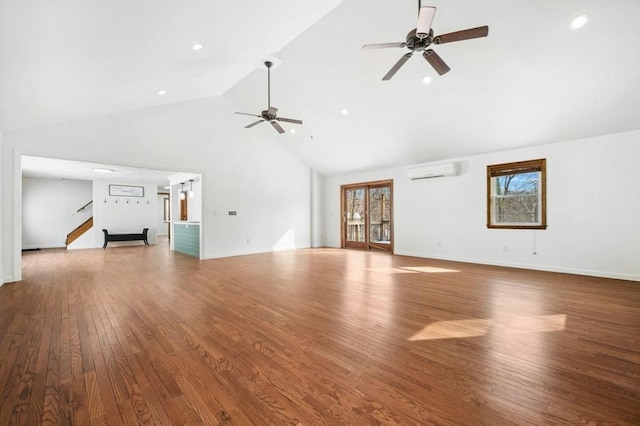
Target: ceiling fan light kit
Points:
(422, 37)
(425, 18)
(271, 113)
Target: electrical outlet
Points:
(439, 243)
(505, 248)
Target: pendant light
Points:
(191, 193)
(182, 196)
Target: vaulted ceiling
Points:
(532, 81)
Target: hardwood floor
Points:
(142, 335)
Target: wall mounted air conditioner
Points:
(431, 170)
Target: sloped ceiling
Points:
(65, 60)
(532, 81)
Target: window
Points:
(516, 195)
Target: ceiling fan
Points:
(270, 114)
(421, 37)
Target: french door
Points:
(367, 215)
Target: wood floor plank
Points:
(36, 402)
(100, 379)
(95, 405)
(78, 390)
(66, 379)
(312, 337)
(17, 374)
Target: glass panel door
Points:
(355, 217)
(380, 217)
(367, 215)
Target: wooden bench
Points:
(125, 237)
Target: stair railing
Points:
(84, 207)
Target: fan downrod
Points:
(268, 64)
(270, 114)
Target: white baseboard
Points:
(45, 246)
(7, 279)
(547, 268)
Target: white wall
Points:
(124, 215)
(3, 278)
(244, 170)
(317, 228)
(49, 210)
(593, 210)
(273, 211)
(194, 204)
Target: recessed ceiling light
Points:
(579, 21)
(293, 131)
(426, 79)
(100, 170)
(197, 46)
(162, 92)
(344, 111)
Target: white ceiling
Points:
(531, 81)
(48, 168)
(66, 60)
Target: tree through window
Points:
(516, 195)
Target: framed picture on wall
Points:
(126, 191)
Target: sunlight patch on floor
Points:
(410, 270)
(453, 329)
(390, 270)
(429, 269)
(480, 327)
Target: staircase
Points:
(81, 229)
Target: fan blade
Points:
(253, 124)
(425, 18)
(246, 113)
(436, 61)
(272, 111)
(397, 66)
(462, 35)
(277, 127)
(289, 120)
(384, 45)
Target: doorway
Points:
(60, 169)
(367, 215)
(184, 212)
